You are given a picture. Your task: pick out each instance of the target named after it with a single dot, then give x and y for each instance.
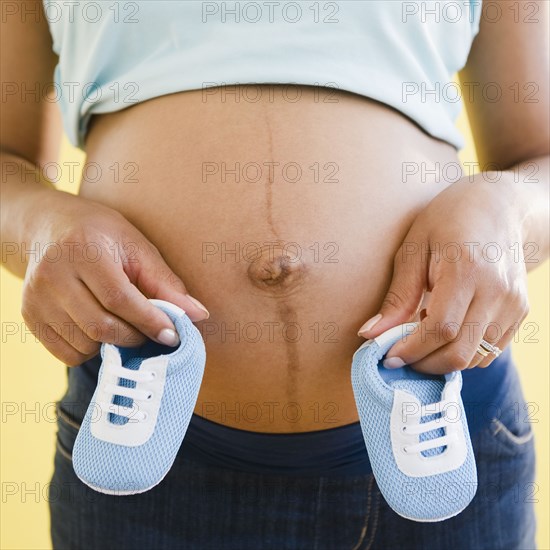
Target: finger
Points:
(114, 291)
(483, 358)
(487, 333)
(501, 342)
(56, 344)
(66, 353)
(155, 279)
(445, 315)
(500, 333)
(404, 296)
(98, 324)
(60, 323)
(458, 354)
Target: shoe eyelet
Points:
(153, 375)
(150, 396)
(404, 429)
(405, 450)
(144, 417)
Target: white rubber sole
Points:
(119, 492)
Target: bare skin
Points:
(296, 328)
(314, 259)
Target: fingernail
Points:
(199, 305)
(393, 363)
(168, 337)
(370, 323)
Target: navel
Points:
(276, 269)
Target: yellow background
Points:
(32, 380)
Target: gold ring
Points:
(482, 351)
(485, 348)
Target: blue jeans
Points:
(203, 504)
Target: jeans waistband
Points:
(336, 451)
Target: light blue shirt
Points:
(113, 54)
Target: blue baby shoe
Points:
(416, 433)
(140, 411)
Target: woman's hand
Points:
(466, 249)
(91, 280)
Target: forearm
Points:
(531, 185)
(25, 199)
(518, 196)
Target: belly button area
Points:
(277, 270)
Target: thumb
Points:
(404, 296)
(154, 278)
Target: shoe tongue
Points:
(111, 355)
(134, 363)
(425, 391)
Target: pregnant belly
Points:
(282, 216)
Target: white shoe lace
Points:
(422, 428)
(137, 395)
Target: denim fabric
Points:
(202, 505)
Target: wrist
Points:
(506, 196)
